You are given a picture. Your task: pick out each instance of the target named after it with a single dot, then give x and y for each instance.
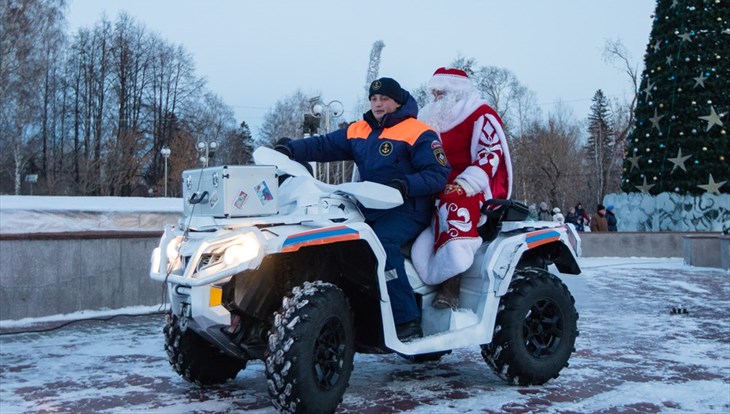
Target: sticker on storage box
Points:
(263, 192)
(213, 199)
(240, 200)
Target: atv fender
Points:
(552, 244)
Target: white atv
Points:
(292, 275)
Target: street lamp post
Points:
(333, 109)
(207, 151)
(32, 179)
(165, 151)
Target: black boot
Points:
(447, 295)
(409, 330)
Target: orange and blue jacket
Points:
(400, 147)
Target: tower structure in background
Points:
(373, 64)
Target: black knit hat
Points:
(388, 87)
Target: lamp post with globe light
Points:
(207, 151)
(333, 109)
(32, 179)
(165, 151)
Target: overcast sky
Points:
(253, 53)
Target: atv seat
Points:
(497, 211)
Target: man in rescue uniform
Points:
(389, 146)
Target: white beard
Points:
(449, 111)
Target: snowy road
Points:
(632, 355)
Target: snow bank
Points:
(41, 214)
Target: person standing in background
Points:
(611, 219)
(558, 216)
(572, 217)
(544, 212)
(598, 221)
(583, 219)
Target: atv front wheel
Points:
(535, 331)
(311, 348)
(195, 359)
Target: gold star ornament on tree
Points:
(679, 161)
(634, 162)
(655, 120)
(645, 187)
(700, 80)
(712, 119)
(712, 186)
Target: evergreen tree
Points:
(679, 143)
(600, 147)
(240, 146)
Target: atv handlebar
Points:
(499, 201)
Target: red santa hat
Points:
(450, 79)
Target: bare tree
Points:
(546, 161)
(174, 89)
(623, 111)
(502, 90)
(285, 119)
(24, 25)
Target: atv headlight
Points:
(246, 248)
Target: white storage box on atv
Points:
(230, 191)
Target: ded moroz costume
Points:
(476, 146)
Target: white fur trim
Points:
(453, 258)
(449, 83)
(422, 250)
(475, 145)
(475, 178)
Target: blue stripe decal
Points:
(318, 235)
(543, 236)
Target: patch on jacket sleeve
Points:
(438, 152)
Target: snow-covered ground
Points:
(633, 355)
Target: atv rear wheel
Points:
(535, 330)
(195, 359)
(311, 348)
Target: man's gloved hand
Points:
(281, 146)
(401, 186)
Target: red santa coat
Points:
(476, 147)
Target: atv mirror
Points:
(285, 165)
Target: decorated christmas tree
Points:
(680, 141)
